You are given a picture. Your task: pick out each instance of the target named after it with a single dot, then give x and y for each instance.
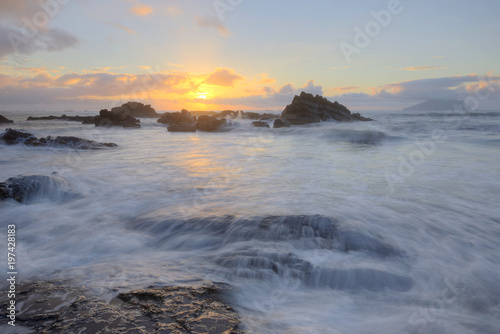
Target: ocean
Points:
(391, 226)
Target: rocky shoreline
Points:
(60, 307)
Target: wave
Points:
(259, 248)
(29, 189)
(360, 137)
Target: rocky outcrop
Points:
(260, 124)
(281, 123)
(210, 123)
(77, 118)
(109, 118)
(245, 115)
(307, 108)
(12, 137)
(28, 188)
(5, 120)
(180, 118)
(58, 307)
(182, 128)
(136, 109)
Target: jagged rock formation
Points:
(5, 120)
(136, 109)
(210, 123)
(118, 118)
(12, 137)
(308, 108)
(56, 307)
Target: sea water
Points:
(391, 226)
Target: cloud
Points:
(122, 27)
(14, 39)
(213, 22)
(140, 9)
(269, 97)
(223, 77)
(424, 68)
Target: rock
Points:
(181, 128)
(307, 108)
(210, 123)
(245, 115)
(136, 109)
(14, 136)
(59, 307)
(5, 120)
(28, 188)
(260, 124)
(281, 123)
(108, 118)
(11, 137)
(179, 118)
(83, 119)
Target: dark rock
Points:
(12, 137)
(281, 123)
(179, 118)
(108, 118)
(307, 108)
(245, 115)
(181, 128)
(83, 119)
(5, 120)
(136, 109)
(28, 188)
(210, 123)
(260, 124)
(59, 307)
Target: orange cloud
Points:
(423, 68)
(223, 77)
(140, 9)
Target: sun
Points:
(202, 96)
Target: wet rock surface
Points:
(308, 108)
(82, 119)
(29, 188)
(12, 137)
(57, 307)
(210, 123)
(136, 109)
(116, 118)
(5, 120)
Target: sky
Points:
(58, 55)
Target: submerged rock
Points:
(29, 188)
(119, 118)
(307, 108)
(83, 119)
(182, 128)
(12, 137)
(260, 124)
(55, 307)
(210, 123)
(5, 120)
